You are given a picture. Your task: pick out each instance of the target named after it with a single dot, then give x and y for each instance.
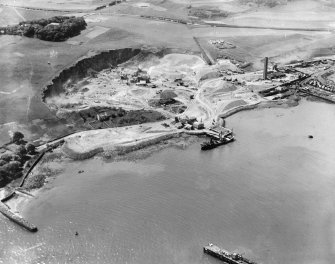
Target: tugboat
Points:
(226, 256)
(213, 143)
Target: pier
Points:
(318, 95)
(17, 219)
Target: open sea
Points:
(269, 195)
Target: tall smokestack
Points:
(265, 72)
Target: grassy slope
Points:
(25, 69)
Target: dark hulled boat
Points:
(213, 143)
(226, 256)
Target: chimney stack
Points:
(265, 72)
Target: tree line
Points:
(12, 162)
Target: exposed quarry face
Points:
(151, 85)
(86, 67)
(130, 79)
(147, 86)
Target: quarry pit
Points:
(131, 86)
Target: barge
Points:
(226, 256)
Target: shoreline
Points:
(113, 151)
(110, 185)
(148, 146)
(19, 201)
(131, 150)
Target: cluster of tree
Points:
(17, 138)
(9, 171)
(110, 4)
(166, 97)
(206, 13)
(58, 28)
(105, 112)
(269, 3)
(138, 117)
(11, 164)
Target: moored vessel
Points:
(213, 143)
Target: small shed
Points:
(102, 116)
(142, 83)
(191, 120)
(198, 125)
(188, 127)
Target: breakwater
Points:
(129, 146)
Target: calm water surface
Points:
(270, 195)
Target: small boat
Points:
(213, 143)
(226, 256)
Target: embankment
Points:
(123, 148)
(128, 147)
(86, 66)
(140, 144)
(120, 149)
(80, 155)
